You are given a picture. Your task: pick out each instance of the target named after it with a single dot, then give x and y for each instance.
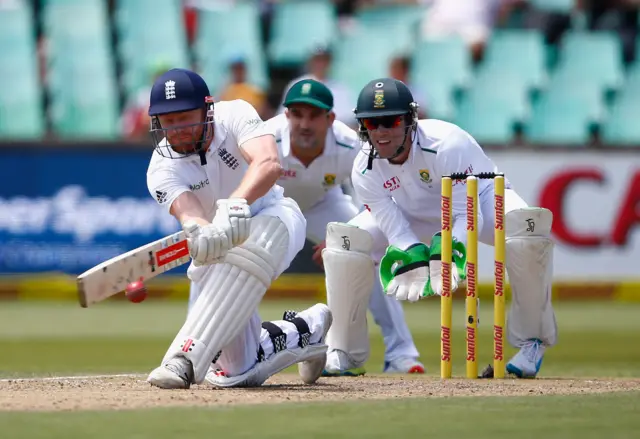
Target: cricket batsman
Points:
(215, 169)
(317, 155)
(399, 180)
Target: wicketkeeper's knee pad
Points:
(350, 274)
(529, 263)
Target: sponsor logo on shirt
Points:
(392, 184)
(288, 173)
(161, 197)
(199, 185)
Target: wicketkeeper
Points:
(399, 180)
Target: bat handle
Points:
(190, 227)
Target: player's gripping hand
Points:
(233, 217)
(207, 244)
(459, 255)
(405, 273)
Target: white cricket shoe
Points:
(310, 359)
(176, 373)
(310, 370)
(403, 365)
(339, 364)
(526, 363)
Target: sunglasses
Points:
(372, 123)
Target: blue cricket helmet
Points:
(176, 91)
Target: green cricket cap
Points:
(309, 91)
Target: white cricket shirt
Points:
(398, 195)
(235, 122)
(309, 185)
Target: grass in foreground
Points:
(584, 417)
(595, 339)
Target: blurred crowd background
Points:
(509, 71)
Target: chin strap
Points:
(371, 157)
(203, 157)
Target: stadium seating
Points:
(101, 54)
(298, 28)
(593, 57)
(559, 6)
(442, 68)
(494, 104)
(361, 56)
(496, 124)
(564, 114)
(81, 70)
(142, 48)
(378, 35)
(621, 126)
(21, 113)
(227, 34)
(518, 52)
(398, 23)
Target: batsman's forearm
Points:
(259, 179)
(187, 207)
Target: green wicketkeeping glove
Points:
(405, 273)
(459, 256)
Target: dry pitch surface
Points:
(131, 391)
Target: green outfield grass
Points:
(562, 417)
(50, 339)
(596, 339)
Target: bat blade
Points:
(146, 262)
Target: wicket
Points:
(471, 269)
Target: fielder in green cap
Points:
(309, 111)
(317, 156)
(309, 91)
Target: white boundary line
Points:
(72, 377)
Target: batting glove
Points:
(233, 217)
(207, 244)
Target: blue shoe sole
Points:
(514, 371)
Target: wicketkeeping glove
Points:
(459, 256)
(405, 273)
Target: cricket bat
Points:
(112, 277)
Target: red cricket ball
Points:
(136, 291)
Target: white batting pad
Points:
(349, 277)
(230, 293)
(529, 260)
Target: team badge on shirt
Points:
(329, 180)
(425, 177)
